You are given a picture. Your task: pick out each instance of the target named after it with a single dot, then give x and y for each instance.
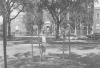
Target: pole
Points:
(63, 46)
(39, 45)
(87, 30)
(69, 46)
(5, 39)
(32, 44)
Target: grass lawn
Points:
(82, 55)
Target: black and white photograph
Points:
(49, 33)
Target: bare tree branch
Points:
(17, 13)
(13, 2)
(64, 17)
(52, 2)
(10, 2)
(53, 15)
(64, 8)
(14, 8)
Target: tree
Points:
(33, 17)
(28, 20)
(82, 13)
(4, 8)
(56, 9)
(59, 9)
(3, 11)
(12, 5)
(89, 14)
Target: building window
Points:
(98, 26)
(97, 16)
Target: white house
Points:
(96, 18)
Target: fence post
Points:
(69, 46)
(63, 46)
(32, 44)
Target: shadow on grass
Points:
(28, 62)
(92, 60)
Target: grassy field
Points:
(82, 55)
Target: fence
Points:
(78, 32)
(81, 32)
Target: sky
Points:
(12, 14)
(1, 18)
(97, 4)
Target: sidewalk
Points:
(52, 40)
(34, 36)
(75, 42)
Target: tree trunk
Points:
(9, 25)
(37, 31)
(5, 39)
(57, 30)
(9, 29)
(87, 30)
(75, 29)
(81, 29)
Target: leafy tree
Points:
(28, 21)
(82, 13)
(33, 15)
(10, 6)
(89, 6)
(59, 8)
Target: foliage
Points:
(80, 11)
(55, 8)
(33, 16)
(9, 6)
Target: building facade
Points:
(96, 18)
(18, 21)
(48, 24)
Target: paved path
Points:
(34, 36)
